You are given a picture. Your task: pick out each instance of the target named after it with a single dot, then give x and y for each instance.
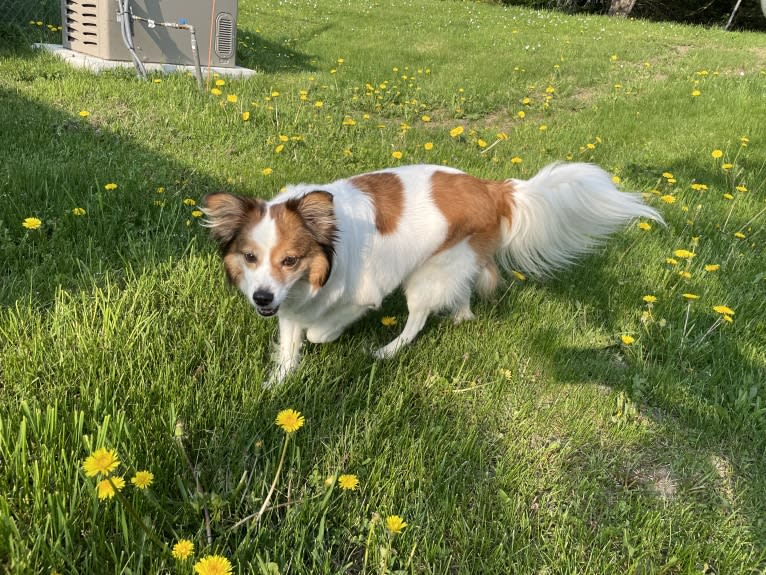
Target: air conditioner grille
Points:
(224, 34)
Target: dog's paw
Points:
(462, 314)
(385, 352)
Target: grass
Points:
(531, 440)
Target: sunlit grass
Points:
(608, 421)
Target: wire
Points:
(210, 46)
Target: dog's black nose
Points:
(262, 298)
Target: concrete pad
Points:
(79, 60)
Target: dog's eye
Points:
(289, 261)
(250, 257)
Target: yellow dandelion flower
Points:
(425, 118)
(78, 211)
(428, 146)
(644, 226)
(388, 320)
(395, 524)
(727, 166)
(501, 136)
(245, 116)
(84, 113)
(526, 101)
(318, 104)
(32, 223)
(741, 188)
(110, 186)
(220, 82)
(516, 160)
(142, 479)
(590, 146)
(232, 98)
(521, 114)
(728, 197)
(668, 199)
(216, 92)
(275, 94)
(727, 318)
(519, 276)
(457, 131)
(696, 93)
(279, 148)
(190, 202)
(183, 550)
(667, 175)
(290, 420)
(683, 254)
(105, 489)
(348, 121)
(627, 339)
(101, 462)
(649, 298)
(550, 90)
(684, 274)
(671, 261)
(197, 214)
(543, 127)
(267, 171)
(397, 155)
(712, 267)
(690, 296)
(213, 565)
(723, 310)
(481, 143)
(716, 154)
(348, 482)
(739, 235)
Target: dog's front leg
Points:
(289, 355)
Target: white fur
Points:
(562, 212)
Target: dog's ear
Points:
(318, 213)
(227, 213)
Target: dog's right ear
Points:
(227, 213)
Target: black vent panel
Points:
(224, 36)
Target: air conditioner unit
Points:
(92, 27)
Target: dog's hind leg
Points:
(444, 281)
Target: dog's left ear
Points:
(317, 211)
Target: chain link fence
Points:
(24, 21)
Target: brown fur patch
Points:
(387, 195)
(306, 231)
(227, 214)
(473, 209)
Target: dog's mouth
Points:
(267, 311)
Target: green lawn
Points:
(532, 440)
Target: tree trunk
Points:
(621, 7)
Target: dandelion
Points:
(279, 148)
(101, 462)
(728, 197)
(245, 116)
(78, 211)
(290, 420)
(318, 104)
(741, 188)
(696, 93)
(550, 90)
(501, 136)
(671, 261)
(190, 202)
(457, 131)
(481, 143)
(425, 118)
(213, 565)
(267, 171)
(32, 223)
(232, 98)
(716, 154)
(690, 296)
(428, 146)
(183, 550)
(395, 524)
(518, 275)
(668, 199)
(649, 298)
(699, 187)
(712, 267)
(685, 275)
(197, 214)
(627, 339)
(397, 155)
(220, 82)
(348, 482)
(142, 479)
(723, 310)
(106, 487)
(516, 160)
(110, 186)
(683, 254)
(644, 226)
(216, 92)
(388, 320)
(739, 235)
(521, 114)
(84, 113)
(727, 318)
(727, 166)
(348, 121)
(667, 175)
(543, 127)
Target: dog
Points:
(318, 257)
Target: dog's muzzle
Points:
(263, 301)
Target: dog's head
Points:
(267, 249)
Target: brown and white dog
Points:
(320, 256)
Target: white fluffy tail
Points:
(563, 212)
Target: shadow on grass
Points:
(256, 52)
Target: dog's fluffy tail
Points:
(564, 211)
